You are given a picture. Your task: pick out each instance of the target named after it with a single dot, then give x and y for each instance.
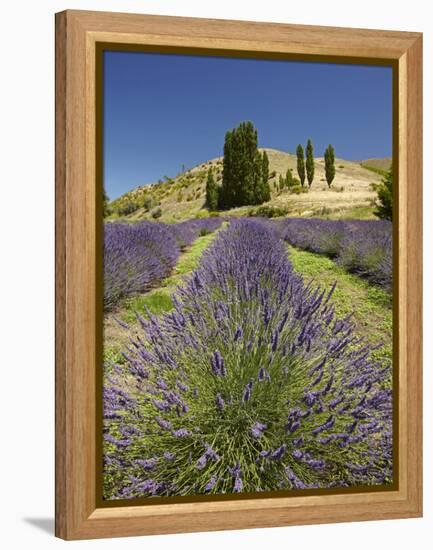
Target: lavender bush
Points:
(250, 384)
(136, 257)
(187, 232)
(361, 247)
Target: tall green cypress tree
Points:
(252, 174)
(266, 190)
(281, 182)
(289, 178)
(211, 191)
(242, 169)
(226, 195)
(329, 165)
(309, 162)
(265, 167)
(300, 164)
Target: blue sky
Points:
(165, 111)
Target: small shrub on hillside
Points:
(157, 213)
(127, 208)
(268, 211)
(298, 190)
(384, 194)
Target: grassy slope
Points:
(183, 197)
(157, 301)
(371, 306)
(381, 164)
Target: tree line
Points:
(245, 177)
(305, 165)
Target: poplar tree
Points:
(329, 165)
(281, 182)
(211, 191)
(265, 194)
(309, 162)
(265, 167)
(226, 195)
(289, 178)
(300, 165)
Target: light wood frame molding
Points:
(77, 36)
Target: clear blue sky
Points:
(163, 111)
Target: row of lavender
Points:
(137, 257)
(361, 247)
(250, 384)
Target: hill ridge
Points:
(183, 197)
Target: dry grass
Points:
(350, 194)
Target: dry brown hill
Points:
(183, 197)
(383, 163)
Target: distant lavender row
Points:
(250, 384)
(186, 232)
(136, 257)
(361, 247)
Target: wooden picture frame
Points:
(78, 206)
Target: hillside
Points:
(183, 197)
(383, 163)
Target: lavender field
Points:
(360, 246)
(137, 257)
(254, 377)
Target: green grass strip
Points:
(370, 305)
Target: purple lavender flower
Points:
(202, 461)
(168, 456)
(238, 334)
(247, 394)
(257, 429)
(217, 364)
(279, 453)
(182, 432)
(211, 484)
(219, 402)
(147, 464)
(238, 485)
(263, 375)
(162, 423)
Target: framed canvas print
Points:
(238, 256)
